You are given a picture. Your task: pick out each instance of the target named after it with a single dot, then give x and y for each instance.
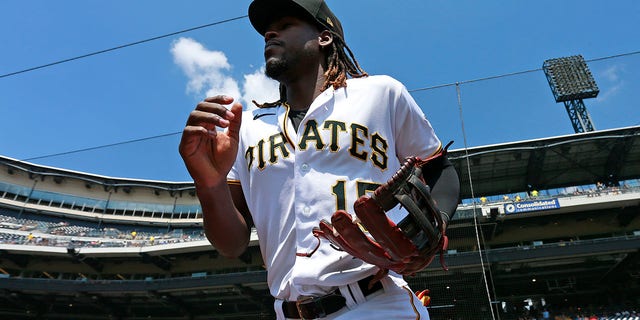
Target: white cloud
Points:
(611, 91)
(258, 87)
(207, 71)
(612, 82)
(612, 73)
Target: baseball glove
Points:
(406, 247)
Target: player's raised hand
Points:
(208, 153)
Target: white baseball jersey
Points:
(351, 140)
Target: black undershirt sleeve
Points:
(442, 178)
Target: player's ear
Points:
(325, 38)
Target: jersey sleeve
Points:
(232, 176)
(414, 135)
(235, 175)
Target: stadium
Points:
(548, 224)
(553, 226)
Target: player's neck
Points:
(305, 89)
(300, 98)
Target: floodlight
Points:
(571, 81)
(570, 78)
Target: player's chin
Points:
(275, 67)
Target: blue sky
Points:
(147, 90)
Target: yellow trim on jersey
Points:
(284, 125)
(435, 152)
(411, 300)
(233, 182)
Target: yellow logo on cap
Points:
(329, 21)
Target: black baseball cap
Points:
(263, 12)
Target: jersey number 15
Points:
(339, 192)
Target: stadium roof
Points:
(607, 156)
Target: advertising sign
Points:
(526, 206)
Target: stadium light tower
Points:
(571, 82)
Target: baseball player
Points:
(335, 135)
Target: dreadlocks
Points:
(340, 63)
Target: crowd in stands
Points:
(62, 233)
(32, 229)
(592, 190)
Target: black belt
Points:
(319, 307)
